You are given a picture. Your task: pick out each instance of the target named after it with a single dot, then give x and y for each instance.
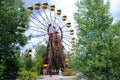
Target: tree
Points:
(40, 53)
(40, 50)
(25, 63)
(98, 41)
(13, 15)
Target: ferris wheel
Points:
(53, 29)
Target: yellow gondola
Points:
(52, 7)
(45, 65)
(37, 6)
(67, 59)
(28, 50)
(73, 45)
(73, 38)
(71, 30)
(71, 33)
(67, 63)
(64, 18)
(54, 70)
(72, 48)
(69, 25)
(30, 9)
(72, 41)
(59, 12)
(45, 5)
(28, 55)
(70, 53)
(71, 57)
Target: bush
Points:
(68, 72)
(27, 75)
(33, 75)
(2, 70)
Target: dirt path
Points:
(55, 77)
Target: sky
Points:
(114, 9)
(68, 7)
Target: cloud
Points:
(114, 9)
(68, 7)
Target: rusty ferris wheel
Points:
(50, 25)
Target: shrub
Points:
(27, 75)
(68, 72)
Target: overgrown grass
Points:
(68, 72)
(27, 75)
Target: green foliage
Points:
(98, 41)
(25, 63)
(28, 63)
(12, 16)
(37, 64)
(2, 70)
(40, 51)
(68, 72)
(27, 75)
(27, 69)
